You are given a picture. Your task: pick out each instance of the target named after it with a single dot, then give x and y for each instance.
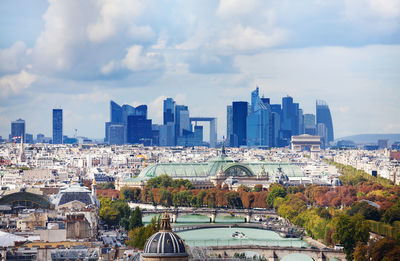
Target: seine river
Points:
(223, 236)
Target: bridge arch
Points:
(237, 170)
(296, 257)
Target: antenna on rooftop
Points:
(76, 132)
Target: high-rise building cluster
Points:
(262, 124)
(256, 124)
(129, 125)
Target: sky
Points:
(78, 55)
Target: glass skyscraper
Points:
(324, 116)
(139, 130)
(259, 121)
(169, 110)
(119, 119)
(229, 122)
(239, 117)
(115, 112)
(18, 129)
(57, 126)
(309, 124)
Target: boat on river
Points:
(239, 235)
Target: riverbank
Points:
(314, 243)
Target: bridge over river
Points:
(212, 213)
(274, 253)
(283, 231)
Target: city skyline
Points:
(203, 55)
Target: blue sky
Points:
(78, 55)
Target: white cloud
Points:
(13, 59)
(233, 8)
(13, 84)
(137, 60)
(385, 8)
(113, 15)
(246, 38)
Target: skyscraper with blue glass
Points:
(120, 130)
(259, 121)
(57, 126)
(324, 117)
(18, 130)
(169, 110)
(239, 117)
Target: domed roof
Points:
(164, 242)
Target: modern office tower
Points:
(182, 121)
(295, 119)
(119, 115)
(18, 129)
(322, 131)
(324, 116)
(229, 122)
(276, 110)
(39, 137)
(57, 126)
(28, 138)
(139, 130)
(239, 116)
(198, 133)
(259, 122)
(167, 134)
(309, 124)
(301, 122)
(155, 135)
(115, 112)
(169, 110)
(287, 119)
(116, 133)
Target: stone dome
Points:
(164, 243)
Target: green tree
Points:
(275, 190)
(166, 198)
(123, 208)
(361, 252)
(109, 215)
(139, 235)
(365, 209)
(107, 185)
(233, 199)
(350, 230)
(136, 219)
(392, 214)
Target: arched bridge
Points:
(212, 213)
(283, 231)
(275, 253)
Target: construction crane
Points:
(144, 159)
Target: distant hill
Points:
(371, 138)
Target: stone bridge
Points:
(274, 253)
(283, 231)
(212, 213)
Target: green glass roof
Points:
(205, 170)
